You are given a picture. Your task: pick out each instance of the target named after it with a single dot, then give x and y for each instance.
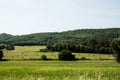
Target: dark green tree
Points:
(115, 46)
(1, 54)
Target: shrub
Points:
(43, 57)
(66, 55)
(10, 47)
(83, 58)
(2, 46)
(1, 55)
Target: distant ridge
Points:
(71, 36)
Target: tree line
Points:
(102, 37)
(78, 48)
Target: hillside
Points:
(81, 36)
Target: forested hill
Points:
(81, 36)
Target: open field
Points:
(24, 64)
(60, 70)
(32, 52)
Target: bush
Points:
(10, 47)
(43, 57)
(1, 55)
(83, 58)
(2, 46)
(66, 55)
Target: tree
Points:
(66, 55)
(115, 46)
(1, 54)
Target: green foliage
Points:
(43, 57)
(83, 58)
(1, 54)
(66, 55)
(79, 48)
(89, 37)
(10, 47)
(2, 46)
(115, 45)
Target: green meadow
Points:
(24, 64)
(32, 52)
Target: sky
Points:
(19, 17)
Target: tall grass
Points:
(59, 70)
(63, 73)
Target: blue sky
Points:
(32, 16)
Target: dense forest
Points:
(81, 40)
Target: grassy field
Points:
(60, 70)
(24, 64)
(32, 52)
